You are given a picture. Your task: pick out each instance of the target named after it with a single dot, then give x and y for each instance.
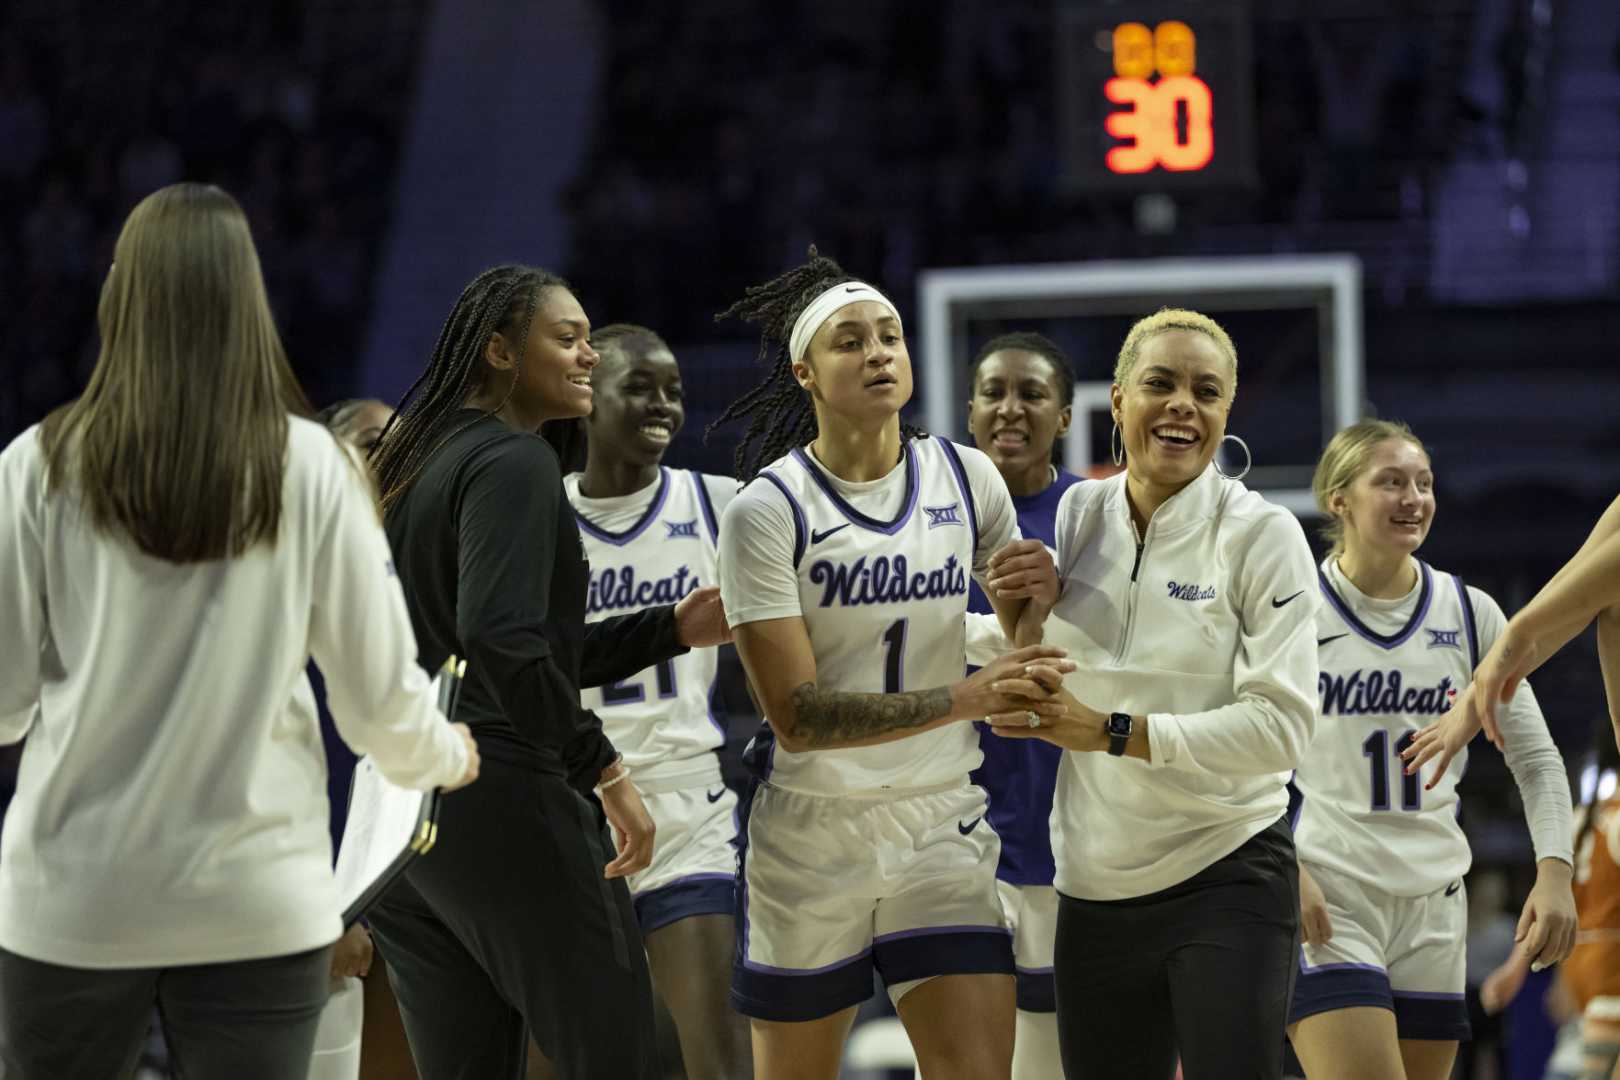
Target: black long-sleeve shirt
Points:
(493, 570)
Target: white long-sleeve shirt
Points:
(171, 806)
(1206, 628)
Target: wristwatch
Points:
(1119, 732)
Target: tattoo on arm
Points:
(824, 717)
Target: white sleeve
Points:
(22, 583)
(760, 537)
(998, 519)
(985, 642)
(1532, 757)
(361, 638)
(722, 490)
(1274, 673)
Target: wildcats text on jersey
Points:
(888, 580)
(1363, 693)
(616, 589)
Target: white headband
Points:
(821, 308)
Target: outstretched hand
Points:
(1444, 739)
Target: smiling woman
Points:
(1381, 854)
(1187, 604)
(508, 923)
(845, 564)
(651, 535)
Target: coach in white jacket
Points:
(173, 549)
(1188, 604)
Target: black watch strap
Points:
(1119, 733)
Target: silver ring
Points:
(1033, 718)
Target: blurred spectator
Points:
(295, 109)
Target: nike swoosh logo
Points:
(1453, 887)
(1324, 640)
(970, 826)
(714, 796)
(852, 288)
(818, 537)
(1279, 603)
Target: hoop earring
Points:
(1116, 445)
(1248, 458)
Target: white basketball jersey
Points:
(649, 548)
(1388, 668)
(883, 602)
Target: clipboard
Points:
(388, 826)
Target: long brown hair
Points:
(180, 438)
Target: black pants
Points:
(1204, 968)
(507, 926)
(252, 1019)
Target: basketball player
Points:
(1380, 990)
(1022, 393)
(844, 566)
(651, 537)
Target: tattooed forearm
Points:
(826, 717)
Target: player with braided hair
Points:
(651, 535)
(519, 916)
(844, 563)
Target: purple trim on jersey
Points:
(707, 504)
(1020, 775)
(714, 688)
(1034, 971)
(1347, 986)
(621, 538)
(1386, 641)
(1428, 995)
(1035, 990)
(684, 898)
(1468, 622)
(924, 931)
(800, 529)
(796, 973)
(907, 505)
(955, 461)
(1424, 1017)
(958, 950)
(1307, 969)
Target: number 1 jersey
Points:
(879, 573)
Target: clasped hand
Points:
(1042, 709)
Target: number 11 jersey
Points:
(1388, 668)
(879, 573)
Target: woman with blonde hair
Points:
(1188, 606)
(175, 544)
(1382, 855)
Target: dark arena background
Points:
(1402, 209)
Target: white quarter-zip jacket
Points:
(1205, 626)
(171, 807)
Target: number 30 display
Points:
(1171, 122)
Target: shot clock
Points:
(1155, 96)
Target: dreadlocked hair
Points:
(779, 411)
(500, 300)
